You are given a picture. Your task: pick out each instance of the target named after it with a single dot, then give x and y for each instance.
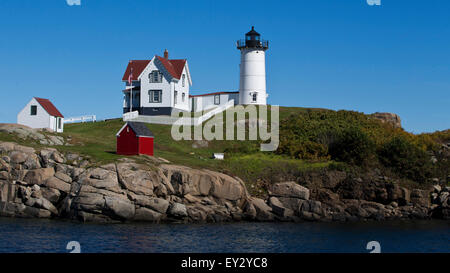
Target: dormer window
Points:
(155, 76)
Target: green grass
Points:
(242, 158)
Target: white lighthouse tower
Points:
(252, 84)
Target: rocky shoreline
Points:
(49, 184)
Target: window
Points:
(184, 78)
(59, 123)
(155, 76)
(155, 96)
(33, 110)
(183, 97)
(254, 97)
(216, 99)
(175, 97)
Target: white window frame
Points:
(155, 76)
(183, 97)
(151, 96)
(175, 97)
(216, 99)
(184, 79)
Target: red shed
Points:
(134, 139)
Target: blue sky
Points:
(323, 53)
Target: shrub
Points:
(352, 146)
(406, 158)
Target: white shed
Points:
(41, 113)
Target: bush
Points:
(406, 158)
(352, 146)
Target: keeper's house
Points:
(157, 87)
(41, 113)
(134, 138)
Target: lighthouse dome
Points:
(252, 40)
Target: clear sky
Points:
(323, 53)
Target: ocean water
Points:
(35, 235)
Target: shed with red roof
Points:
(41, 113)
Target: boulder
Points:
(420, 197)
(279, 209)
(263, 211)
(37, 212)
(56, 140)
(291, 203)
(39, 176)
(4, 165)
(50, 194)
(197, 213)
(177, 210)
(389, 118)
(101, 179)
(56, 183)
(290, 189)
(158, 204)
(135, 179)
(89, 201)
(45, 204)
(18, 157)
(32, 162)
(405, 197)
(6, 147)
(64, 177)
(121, 208)
(24, 149)
(147, 215)
(228, 189)
(311, 206)
(4, 175)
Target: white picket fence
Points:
(87, 118)
(168, 120)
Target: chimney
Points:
(166, 54)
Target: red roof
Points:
(49, 107)
(138, 66)
(174, 67)
(211, 94)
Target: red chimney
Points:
(166, 54)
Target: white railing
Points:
(87, 118)
(134, 116)
(130, 115)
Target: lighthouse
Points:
(252, 82)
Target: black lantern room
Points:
(253, 40)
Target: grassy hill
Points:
(311, 140)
